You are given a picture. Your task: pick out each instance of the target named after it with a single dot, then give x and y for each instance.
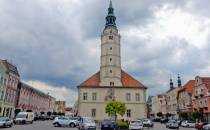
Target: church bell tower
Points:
(110, 70)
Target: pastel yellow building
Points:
(111, 82)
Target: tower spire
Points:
(179, 81)
(110, 4)
(110, 18)
(171, 83)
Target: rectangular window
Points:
(137, 97)
(5, 82)
(129, 113)
(110, 37)
(94, 96)
(128, 96)
(85, 96)
(93, 112)
(111, 83)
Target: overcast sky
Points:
(56, 43)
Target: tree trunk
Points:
(115, 117)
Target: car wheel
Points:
(72, 125)
(24, 122)
(57, 124)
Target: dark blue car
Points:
(108, 125)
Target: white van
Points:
(24, 117)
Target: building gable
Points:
(127, 81)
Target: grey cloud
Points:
(51, 40)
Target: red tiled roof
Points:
(188, 87)
(94, 80)
(206, 81)
(126, 79)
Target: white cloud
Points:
(59, 92)
(58, 41)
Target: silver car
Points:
(5, 122)
(147, 123)
(172, 124)
(86, 123)
(65, 121)
(136, 125)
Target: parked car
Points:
(86, 123)
(200, 125)
(164, 120)
(36, 116)
(136, 125)
(206, 127)
(147, 123)
(179, 122)
(43, 117)
(24, 117)
(190, 124)
(108, 125)
(156, 120)
(65, 121)
(172, 124)
(5, 122)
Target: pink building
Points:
(201, 93)
(184, 97)
(30, 98)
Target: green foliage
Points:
(160, 114)
(42, 112)
(61, 114)
(122, 124)
(17, 111)
(197, 115)
(168, 115)
(183, 115)
(29, 111)
(54, 113)
(49, 113)
(115, 107)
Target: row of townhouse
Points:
(16, 95)
(192, 97)
(33, 99)
(195, 97)
(166, 103)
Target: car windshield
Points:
(86, 120)
(191, 121)
(3, 119)
(136, 122)
(73, 118)
(107, 122)
(146, 120)
(173, 121)
(21, 115)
